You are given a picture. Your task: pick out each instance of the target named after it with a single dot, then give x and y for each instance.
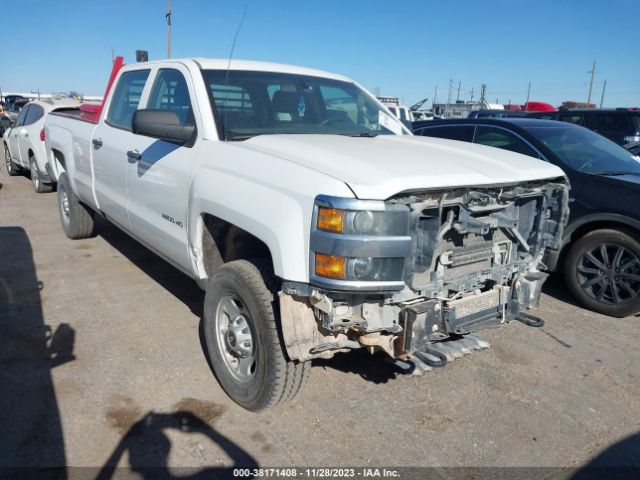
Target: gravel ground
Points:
(102, 364)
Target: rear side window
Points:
(125, 98)
(170, 92)
(494, 137)
(612, 122)
(576, 118)
(23, 113)
(463, 133)
(35, 113)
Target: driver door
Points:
(159, 172)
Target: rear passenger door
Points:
(109, 147)
(159, 172)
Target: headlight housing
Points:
(358, 244)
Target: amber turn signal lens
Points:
(331, 219)
(330, 266)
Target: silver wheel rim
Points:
(64, 205)
(35, 176)
(610, 274)
(234, 336)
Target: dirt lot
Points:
(102, 364)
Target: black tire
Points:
(12, 168)
(275, 378)
(38, 185)
(77, 219)
(581, 269)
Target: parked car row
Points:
(600, 251)
(621, 125)
(24, 140)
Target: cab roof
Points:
(251, 65)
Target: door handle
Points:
(97, 142)
(134, 155)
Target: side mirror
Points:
(5, 122)
(163, 125)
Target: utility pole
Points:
(604, 87)
(458, 95)
(168, 17)
(483, 91)
(450, 88)
(593, 77)
(472, 92)
(435, 97)
(528, 93)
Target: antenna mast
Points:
(168, 17)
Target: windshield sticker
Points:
(301, 106)
(389, 123)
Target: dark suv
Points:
(621, 126)
(600, 251)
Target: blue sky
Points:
(401, 48)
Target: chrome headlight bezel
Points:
(385, 244)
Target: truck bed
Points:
(85, 112)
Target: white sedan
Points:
(24, 147)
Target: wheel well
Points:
(223, 242)
(582, 230)
(59, 157)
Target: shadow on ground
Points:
(30, 427)
(620, 461)
(373, 368)
(170, 278)
(148, 446)
(556, 288)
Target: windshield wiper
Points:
(240, 138)
(613, 174)
(361, 134)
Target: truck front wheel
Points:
(76, 218)
(242, 336)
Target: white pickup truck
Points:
(315, 222)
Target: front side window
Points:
(126, 97)
(251, 103)
(586, 151)
(170, 92)
(495, 137)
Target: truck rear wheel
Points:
(241, 332)
(76, 218)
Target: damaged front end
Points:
(419, 268)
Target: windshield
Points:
(585, 151)
(250, 103)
